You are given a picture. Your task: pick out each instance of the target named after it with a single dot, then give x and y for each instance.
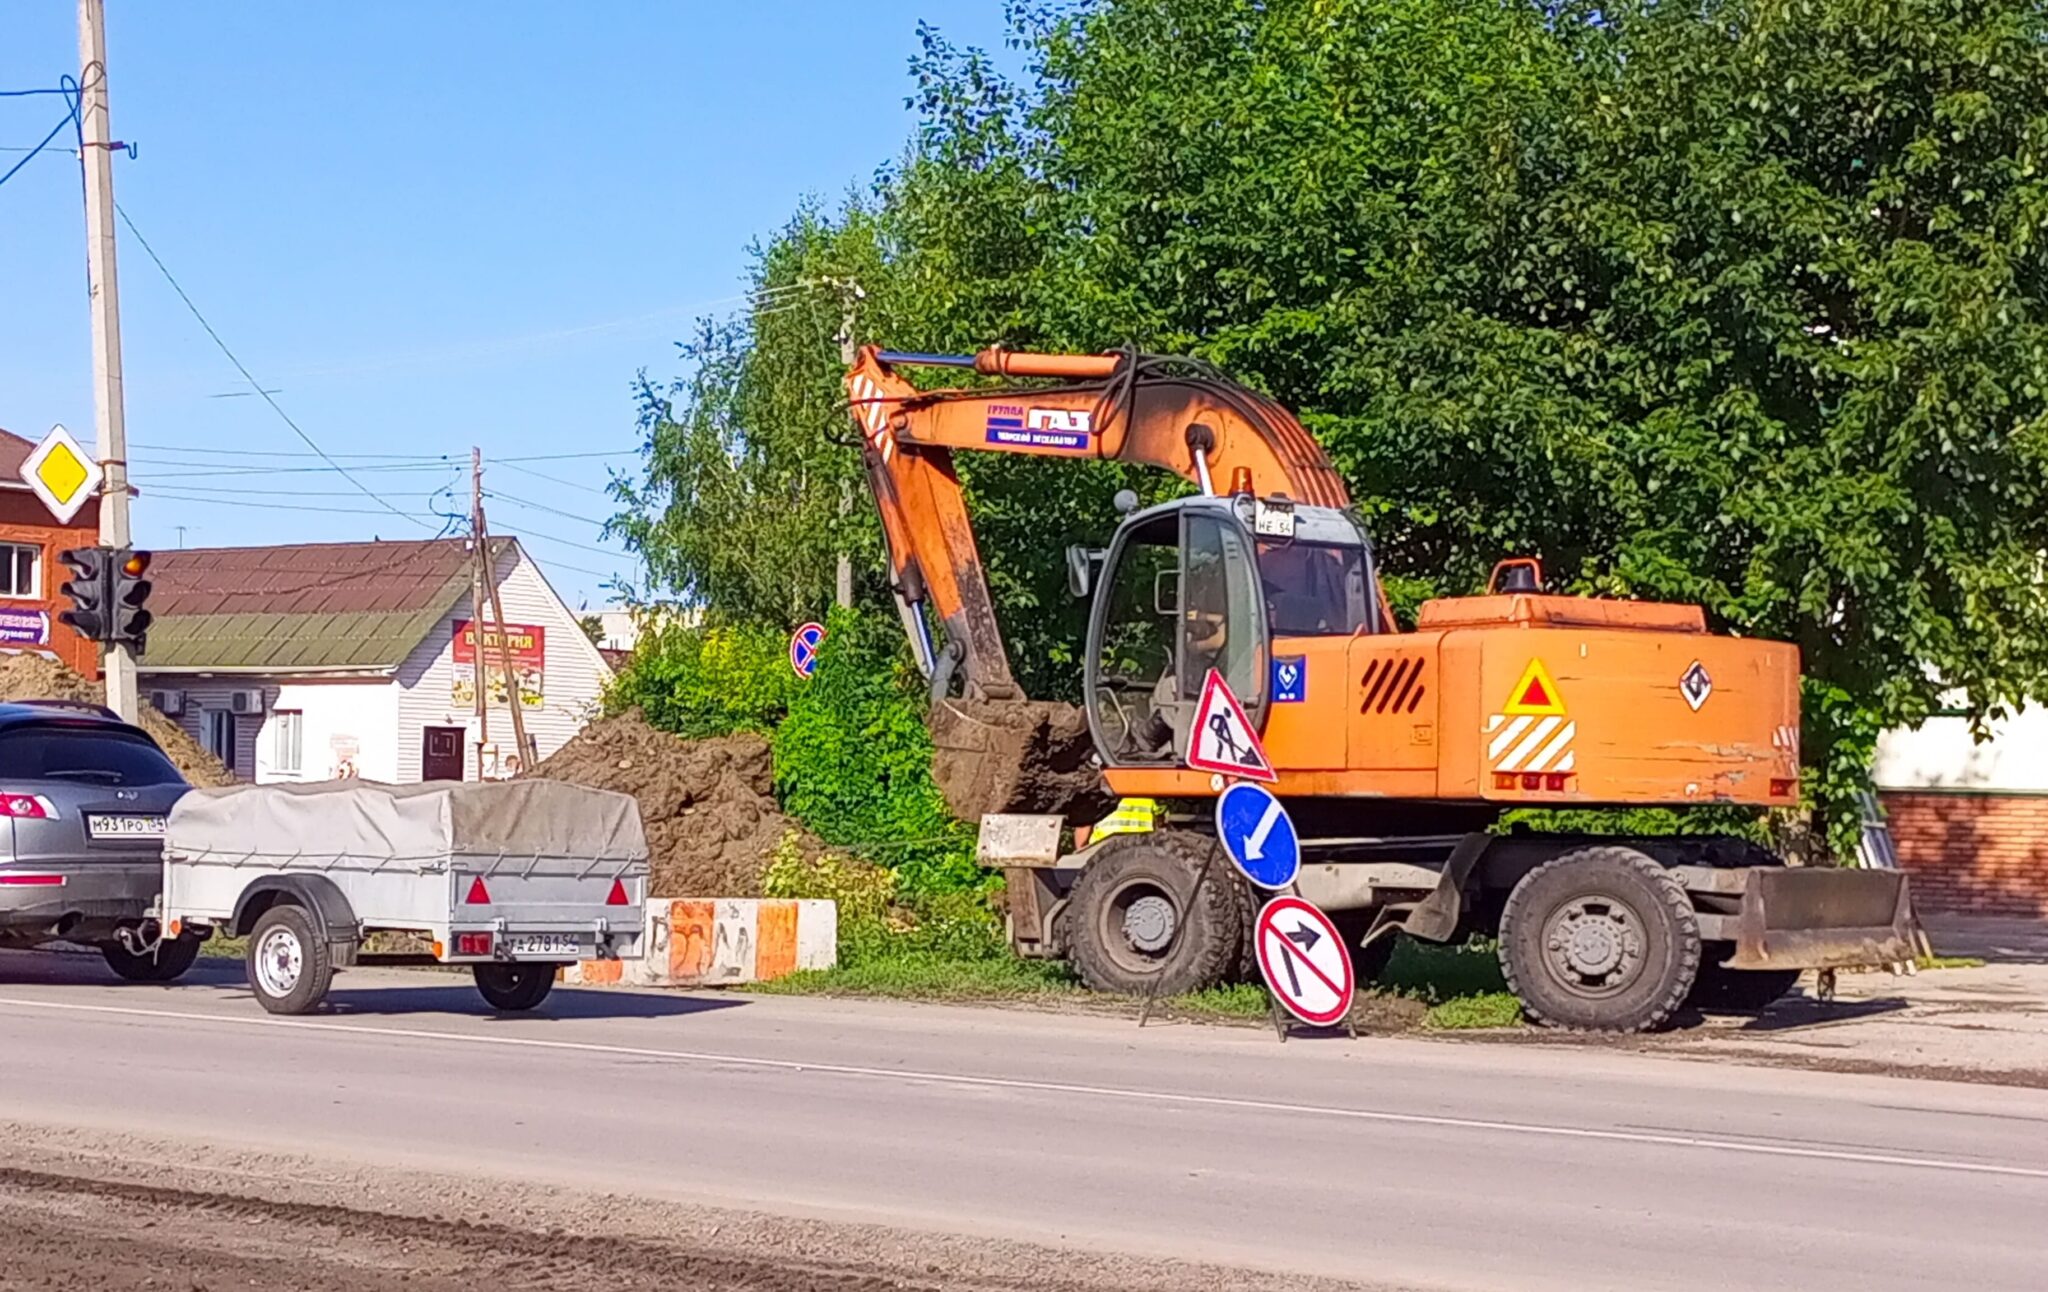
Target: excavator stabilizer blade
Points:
(1815, 917)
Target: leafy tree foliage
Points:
(1739, 302)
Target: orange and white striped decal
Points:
(1527, 743)
(874, 413)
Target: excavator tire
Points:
(1135, 922)
(1601, 939)
(1736, 991)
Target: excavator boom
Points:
(1176, 414)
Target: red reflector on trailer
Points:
(478, 894)
(618, 894)
(472, 944)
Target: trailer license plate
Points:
(101, 826)
(544, 944)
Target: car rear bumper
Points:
(102, 893)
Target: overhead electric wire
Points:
(541, 475)
(566, 542)
(517, 501)
(416, 517)
(33, 151)
(254, 384)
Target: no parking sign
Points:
(803, 649)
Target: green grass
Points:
(1947, 962)
(1489, 1009)
(222, 947)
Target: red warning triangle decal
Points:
(1535, 694)
(1222, 739)
(478, 894)
(618, 896)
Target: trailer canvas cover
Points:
(368, 821)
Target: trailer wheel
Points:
(290, 966)
(168, 963)
(517, 986)
(1736, 991)
(1135, 923)
(1601, 939)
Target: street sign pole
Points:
(109, 415)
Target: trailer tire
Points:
(1737, 991)
(1130, 925)
(1601, 939)
(290, 964)
(168, 963)
(513, 987)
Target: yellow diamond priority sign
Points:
(62, 474)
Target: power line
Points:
(565, 542)
(542, 475)
(33, 151)
(287, 506)
(294, 453)
(538, 506)
(254, 384)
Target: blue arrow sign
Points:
(1258, 834)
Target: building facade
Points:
(1970, 817)
(334, 660)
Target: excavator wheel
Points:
(1135, 921)
(1601, 939)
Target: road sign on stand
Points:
(62, 474)
(1259, 835)
(1223, 739)
(1304, 960)
(803, 649)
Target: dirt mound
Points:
(708, 805)
(1016, 756)
(32, 677)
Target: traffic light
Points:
(91, 591)
(131, 592)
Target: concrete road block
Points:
(711, 942)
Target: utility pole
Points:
(477, 575)
(109, 414)
(513, 696)
(850, 294)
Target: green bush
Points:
(711, 681)
(853, 761)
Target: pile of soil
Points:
(32, 677)
(708, 805)
(1016, 756)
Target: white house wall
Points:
(573, 678)
(1941, 754)
(334, 712)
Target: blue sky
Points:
(426, 226)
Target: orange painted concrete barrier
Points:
(700, 942)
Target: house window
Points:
(21, 571)
(217, 733)
(288, 747)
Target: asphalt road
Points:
(1405, 1163)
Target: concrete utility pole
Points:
(848, 352)
(478, 572)
(109, 413)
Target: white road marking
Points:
(909, 1076)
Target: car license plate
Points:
(543, 944)
(124, 827)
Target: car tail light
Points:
(472, 944)
(618, 894)
(27, 807)
(478, 894)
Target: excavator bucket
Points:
(1015, 756)
(1814, 917)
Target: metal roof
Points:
(302, 607)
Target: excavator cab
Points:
(1205, 583)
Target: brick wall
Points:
(1973, 854)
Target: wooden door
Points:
(441, 754)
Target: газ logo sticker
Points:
(1039, 428)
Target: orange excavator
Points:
(1397, 753)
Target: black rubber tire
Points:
(1204, 951)
(316, 961)
(1651, 904)
(1736, 991)
(1367, 963)
(517, 986)
(168, 963)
